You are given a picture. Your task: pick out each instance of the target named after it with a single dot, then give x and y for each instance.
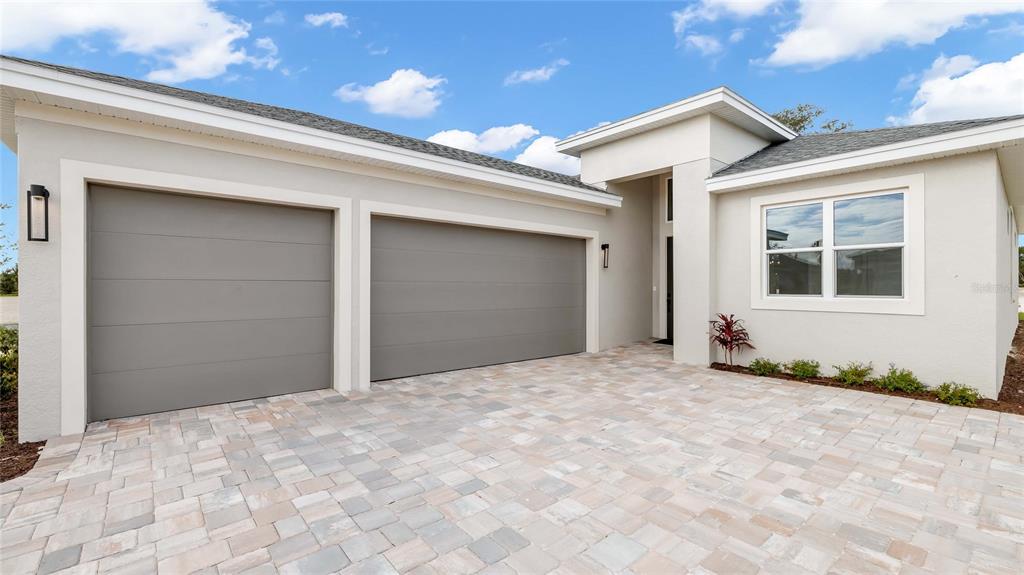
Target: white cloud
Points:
(407, 93)
(737, 35)
(705, 44)
(374, 50)
(186, 40)
(1011, 29)
(542, 74)
(541, 154)
(269, 59)
(829, 32)
(957, 88)
(332, 19)
(711, 10)
(490, 141)
(274, 18)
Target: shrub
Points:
(953, 393)
(764, 366)
(804, 368)
(853, 373)
(8, 362)
(899, 380)
(730, 335)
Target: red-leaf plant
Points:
(728, 333)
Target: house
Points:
(202, 249)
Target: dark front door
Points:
(668, 287)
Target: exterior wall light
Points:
(605, 248)
(38, 214)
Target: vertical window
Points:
(668, 200)
(834, 248)
(793, 249)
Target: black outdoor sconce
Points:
(38, 214)
(605, 248)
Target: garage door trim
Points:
(368, 209)
(76, 176)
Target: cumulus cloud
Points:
(542, 74)
(829, 32)
(490, 141)
(407, 93)
(710, 11)
(960, 87)
(268, 59)
(274, 18)
(541, 154)
(330, 19)
(705, 44)
(185, 40)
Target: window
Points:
(668, 200)
(836, 248)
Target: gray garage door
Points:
(194, 301)
(449, 297)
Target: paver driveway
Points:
(614, 461)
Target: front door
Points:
(668, 288)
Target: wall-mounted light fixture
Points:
(38, 214)
(605, 248)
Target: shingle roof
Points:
(814, 146)
(324, 123)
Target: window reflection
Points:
(794, 227)
(872, 220)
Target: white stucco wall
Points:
(647, 153)
(1005, 284)
(624, 288)
(957, 338)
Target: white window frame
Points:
(912, 300)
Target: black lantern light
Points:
(605, 248)
(38, 214)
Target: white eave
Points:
(721, 102)
(21, 81)
(988, 137)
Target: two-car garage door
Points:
(197, 300)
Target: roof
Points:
(814, 146)
(721, 101)
(319, 122)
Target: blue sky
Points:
(538, 71)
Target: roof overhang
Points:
(20, 81)
(721, 102)
(989, 137)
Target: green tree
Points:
(8, 263)
(802, 118)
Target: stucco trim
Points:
(913, 302)
(75, 177)
(367, 209)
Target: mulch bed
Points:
(15, 458)
(1011, 396)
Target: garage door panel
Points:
(147, 346)
(404, 329)
(137, 256)
(400, 361)
(134, 393)
(435, 266)
(401, 297)
(128, 302)
(449, 297)
(141, 212)
(394, 233)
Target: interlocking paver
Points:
(617, 461)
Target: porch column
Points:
(693, 262)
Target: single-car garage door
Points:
(449, 297)
(195, 301)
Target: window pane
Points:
(793, 227)
(874, 220)
(795, 273)
(877, 272)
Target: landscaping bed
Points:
(1011, 396)
(15, 458)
